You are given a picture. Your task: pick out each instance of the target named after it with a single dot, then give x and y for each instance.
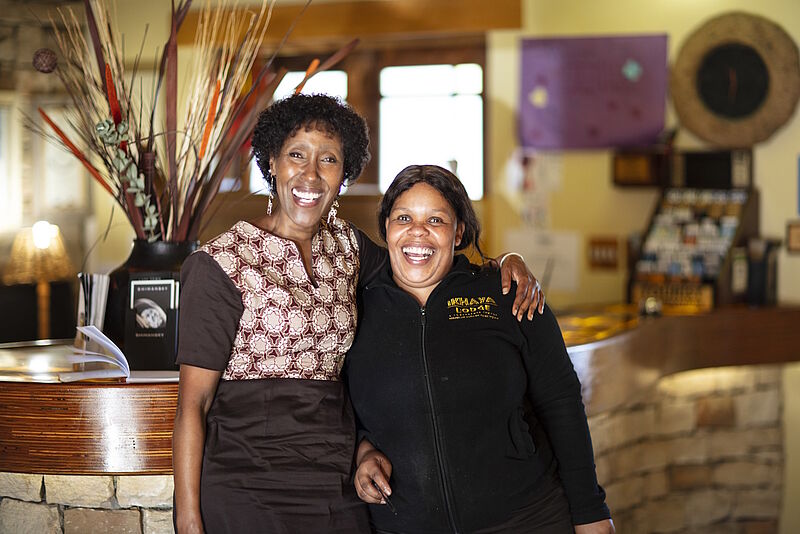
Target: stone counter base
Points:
(700, 453)
(60, 504)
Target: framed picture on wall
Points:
(641, 168)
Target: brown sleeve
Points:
(210, 310)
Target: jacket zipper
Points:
(436, 434)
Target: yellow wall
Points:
(587, 201)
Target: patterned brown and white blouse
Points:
(249, 309)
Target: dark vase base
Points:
(145, 327)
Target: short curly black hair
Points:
(285, 117)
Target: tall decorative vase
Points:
(142, 309)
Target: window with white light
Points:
(432, 114)
(4, 140)
(10, 180)
(329, 82)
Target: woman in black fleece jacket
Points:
(470, 420)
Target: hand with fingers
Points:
(530, 296)
(372, 474)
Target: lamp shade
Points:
(38, 255)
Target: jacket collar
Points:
(461, 265)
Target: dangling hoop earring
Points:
(270, 195)
(332, 212)
(335, 205)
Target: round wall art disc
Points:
(736, 80)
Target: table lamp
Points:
(38, 257)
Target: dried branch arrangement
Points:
(164, 176)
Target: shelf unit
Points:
(693, 255)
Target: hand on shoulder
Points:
(529, 297)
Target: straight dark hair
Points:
(451, 189)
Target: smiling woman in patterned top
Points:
(264, 434)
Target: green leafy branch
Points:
(115, 136)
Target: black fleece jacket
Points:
(442, 390)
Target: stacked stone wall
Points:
(66, 504)
(701, 452)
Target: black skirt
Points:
(278, 459)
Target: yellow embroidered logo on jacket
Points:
(471, 307)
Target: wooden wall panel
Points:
(347, 20)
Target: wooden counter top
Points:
(613, 369)
(87, 428)
(92, 428)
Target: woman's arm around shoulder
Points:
(529, 297)
(196, 390)
(371, 256)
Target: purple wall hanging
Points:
(593, 92)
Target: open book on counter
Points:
(98, 359)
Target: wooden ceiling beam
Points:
(381, 18)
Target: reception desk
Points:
(94, 428)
